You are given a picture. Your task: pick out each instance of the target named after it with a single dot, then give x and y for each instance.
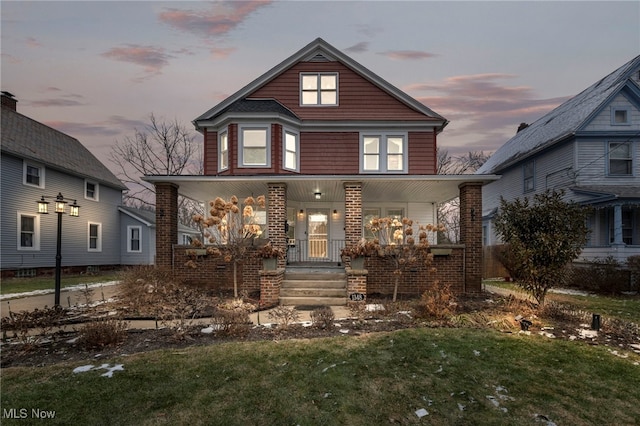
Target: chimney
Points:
(9, 101)
(522, 126)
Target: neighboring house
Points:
(39, 161)
(331, 145)
(590, 147)
(138, 246)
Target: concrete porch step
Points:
(314, 283)
(300, 276)
(313, 292)
(313, 301)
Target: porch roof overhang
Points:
(302, 188)
(605, 196)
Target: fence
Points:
(315, 250)
(491, 265)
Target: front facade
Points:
(590, 147)
(331, 145)
(38, 161)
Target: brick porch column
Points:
(352, 212)
(277, 217)
(166, 223)
(471, 234)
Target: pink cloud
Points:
(33, 42)
(402, 55)
(221, 53)
(221, 19)
(152, 58)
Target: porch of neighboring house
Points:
(312, 218)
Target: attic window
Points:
(319, 89)
(620, 116)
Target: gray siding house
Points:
(39, 161)
(590, 147)
(138, 246)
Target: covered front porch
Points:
(312, 218)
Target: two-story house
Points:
(331, 145)
(590, 147)
(37, 162)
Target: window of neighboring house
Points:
(291, 151)
(28, 232)
(133, 241)
(319, 89)
(383, 153)
(254, 147)
(91, 190)
(223, 151)
(620, 159)
(95, 237)
(620, 116)
(33, 174)
(528, 176)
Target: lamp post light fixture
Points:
(60, 206)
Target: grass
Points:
(20, 285)
(454, 374)
(626, 307)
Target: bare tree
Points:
(448, 212)
(160, 148)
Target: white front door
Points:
(318, 233)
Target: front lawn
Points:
(447, 376)
(23, 285)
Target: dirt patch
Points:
(505, 314)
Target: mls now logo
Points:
(23, 413)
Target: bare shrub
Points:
(438, 302)
(322, 317)
(625, 329)
(87, 294)
(231, 323)
(139, 287)
(179, 306)
(31, 326)
(103, 332)
(604, 276)
(284, 315)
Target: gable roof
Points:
(29, 139)
(318, 50)
(565, 120)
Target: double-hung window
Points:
(28, 231)
(91, 190)
(94, 242)
(133, 240)
(255, 147)
(528, 176)
(223, 151)
(33, 174)
(620, 159)
(319, 89)
(383, 153)
(291, 150)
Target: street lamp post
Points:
(60, 206)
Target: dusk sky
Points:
(96, 70)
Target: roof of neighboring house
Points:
(608, 193)
(148, 218)
(565, 120)
(309, 52)
(29, 139)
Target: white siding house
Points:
(590, 147)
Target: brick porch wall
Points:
(471, 234)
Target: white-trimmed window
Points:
(620, 159)
(319, 89)
(383, 153)
(620, 116)
(254, 146)
(28, 231)
(33, 174)
(529, 176)
(91, 190)
(291, 150)
(223, 151)
(134, 244)
(94, 237)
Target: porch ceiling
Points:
(388, 188)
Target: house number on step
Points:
(356, 297)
